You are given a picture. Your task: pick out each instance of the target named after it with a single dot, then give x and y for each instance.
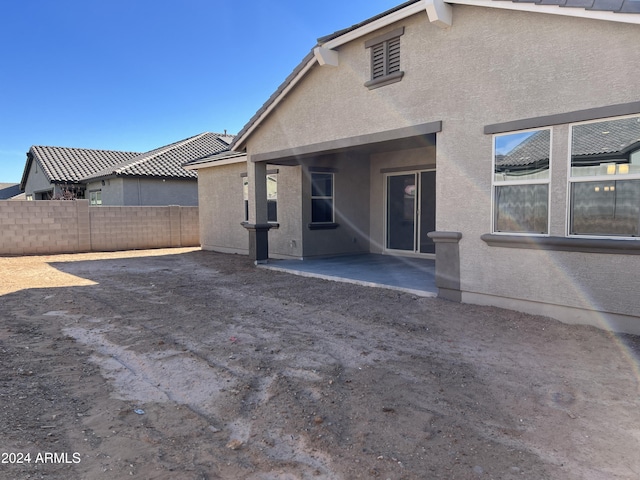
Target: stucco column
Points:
(257, 225)
(447, 264)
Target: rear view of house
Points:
(500, 138)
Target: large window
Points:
(322, 198)
(604, 183)
(521, 182)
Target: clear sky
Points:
(135, 75)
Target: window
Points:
(29, 197)
(272, 197)
(245, 196)
(95, 197)
(521, 182)
(604, 182)
(322, 198)
(385, 59)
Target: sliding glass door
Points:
(410, 211)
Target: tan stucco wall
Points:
(36, 180)
(221, 207)
(286, 240)
(491, 66)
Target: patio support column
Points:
(257, 225)
(447, 264)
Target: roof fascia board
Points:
(553, 10)
(217, 163)
(377, 24)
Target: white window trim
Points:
(546, 181)
(596, 178)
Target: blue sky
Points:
(134, 75)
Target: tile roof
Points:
(9, 190)
(602, 138)
(71, 165)
(167, 161)
(533, 149)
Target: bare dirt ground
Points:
(242, 373)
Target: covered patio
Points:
(407, 274)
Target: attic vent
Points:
(385, 59)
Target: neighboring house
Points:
(500, 135)
(119, 178)
(10, 191)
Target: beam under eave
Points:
(440, 13)
(326, 57)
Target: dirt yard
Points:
(182, 364)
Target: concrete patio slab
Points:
(406, 274)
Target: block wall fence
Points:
(59, 226)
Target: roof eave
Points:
(216, 163)
(552, 9)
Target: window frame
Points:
(571, 179)
(495, 183)
(95, 193)
(384, 40)
(275, 176)
(245, 196)
(332, 197)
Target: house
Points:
(10, 191)
(498, 137)
(119, 178)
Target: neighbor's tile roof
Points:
(167, 161)
(9, 190)
(606, 137)
(71, 165)
(531, 150)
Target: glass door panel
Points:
(401, 212)
(427, 210)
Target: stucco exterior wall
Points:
(112, 191)
(286, 240)
(146, 192)
(221, 207)
(156, 192)
(36, 180)
(491, 66)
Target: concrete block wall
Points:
(47, 227)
